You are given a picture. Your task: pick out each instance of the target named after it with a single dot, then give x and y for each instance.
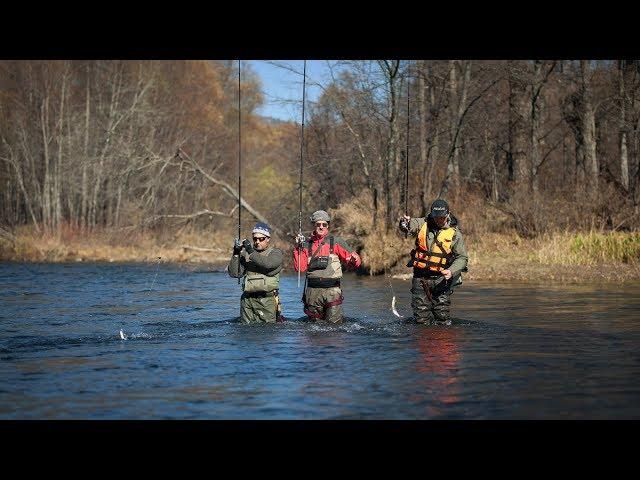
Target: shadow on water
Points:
(512, 351)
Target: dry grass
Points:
(108, 246)
(560, 256)
(496, 250)
(613, 256)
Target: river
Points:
(515, 351)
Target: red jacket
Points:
(340, 248)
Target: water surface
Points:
(515, 351)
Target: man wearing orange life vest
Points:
(438, 259)
(322, 256)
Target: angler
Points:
(259, 265)
(322, 256)
(438, 260)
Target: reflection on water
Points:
(514, 351)
(438, 364)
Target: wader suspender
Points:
(310, 246)
(425, 287)
(311, 257)
(331, 243)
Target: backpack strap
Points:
(331, 244)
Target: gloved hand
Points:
(300, 239)
(404, 223)
(247, 246)
(354, 259)
(237, 246)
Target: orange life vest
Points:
(438, 257)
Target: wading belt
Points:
(315, 282)
(272, 293)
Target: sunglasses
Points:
(259, 239)
(322, 224)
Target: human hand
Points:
(446, 273)
(404, 223)
(247, 246)
(353, 259)
(300, 239)
(237, 246)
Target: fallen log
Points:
(199, 249)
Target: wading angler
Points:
(259, 266)
(321, 257)
(438, 260)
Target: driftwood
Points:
(188, 216)
(199, 249)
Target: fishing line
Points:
(304, 78)
(239, 166)
(156, 275)
(146, 290)
(406, 184)
(406, 174)
(406, 190)
(393, 293)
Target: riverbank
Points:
(562, 257)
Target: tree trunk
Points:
(495, 193)
(433, 155)
(392, 160)
(457, 106)
(57, 194)
(46, 188)
(518, 171)
(622, 128)
(589, 133)
(535, 125)
(85, 161)
(422, 139)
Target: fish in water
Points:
(122, 335)
(393, 307)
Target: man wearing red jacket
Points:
(322, 256)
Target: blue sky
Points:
(282, 87)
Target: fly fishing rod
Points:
(239, 169)
(406, 173)
(304, 78)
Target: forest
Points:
(538, 160)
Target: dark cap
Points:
(439, 208)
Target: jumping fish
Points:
(393, 307)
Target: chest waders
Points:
(322, 272)
(257, 285)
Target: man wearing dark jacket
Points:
(259, 266)
(438, 260)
